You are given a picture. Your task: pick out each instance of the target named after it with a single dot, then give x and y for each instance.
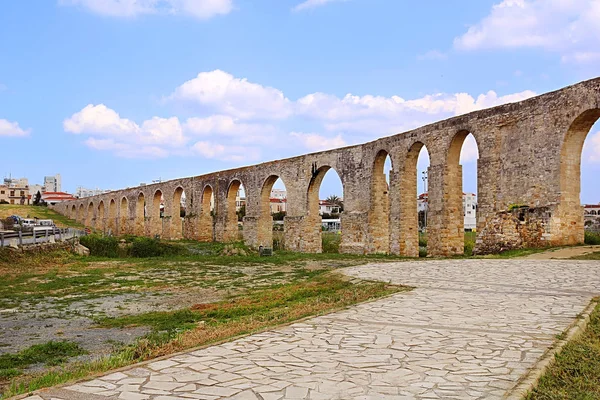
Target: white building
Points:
(469, 209)
(326, 207)
(278, 194)
(33, 189)
(53, 183)
(83, 192)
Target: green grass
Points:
(319, 292)
(592, 238)
(50, 353)
(37, 212)
(331, 242)
(590, 256)
(575, 373)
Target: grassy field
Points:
(112, 312)
(575, 373)
(61, 221)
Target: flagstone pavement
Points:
(469, 330)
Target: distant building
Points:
(53, 183)
(16, 194)
(591, 217)
(278, 193)
(326, 207)
(83, 192)
(278, 205)
(240, 200)
(469, 210)
(33, 189)
(56, 197)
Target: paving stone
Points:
(469, 330)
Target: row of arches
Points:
(392, 217)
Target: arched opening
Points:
(273, 206)
(123, 216)
(235, 211)
(100, 216)
(322, 230)
(414, 202)
(140, 215)
(89, 217)
(461, 192)
(570, 213)
(379, 212)
(112, 216)
(80, 214)
(178, 213)
(73, 212)
(207, 209)
(156, 219)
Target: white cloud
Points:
(108, 131)
(237, 117)
(316, 142)
(226, 126)
(201, 9)
(218, 151)
(568, 27)
(591, 149)
(8, 128)
(432, 55)
(222, 92)
(469, 151)
(308, 4)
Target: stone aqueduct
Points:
(528, 187)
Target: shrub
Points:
(422, 240)
(101, 246)
(331, 242)
(592, 238)
(143, 247)
(469, 248)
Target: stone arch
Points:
(312, 229)
(231, 217)
(89, 216)
(80, 214)
(101, 214)
(140, 215)
(112, 216)
(176, 219)
(265, 218)
(454, 217)
(157, 215)
(409, 215)
(73, 214)
(206, 225)
(379, 211)
(570, 213)
(123, 215)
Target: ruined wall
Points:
(529, 155)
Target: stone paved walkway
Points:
(469, 330)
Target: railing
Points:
(38, 236)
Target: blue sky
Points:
(111, 93)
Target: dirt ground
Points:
(564, 253)
(54, 304)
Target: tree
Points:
(336, 200)
(278, 216)
(37, 199)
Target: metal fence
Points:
(38, 236)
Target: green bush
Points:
(469, 248)
(143, 247)
(101, 246)
(422, 240)
(331, 242)
(592, 238)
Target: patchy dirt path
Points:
(563, 254)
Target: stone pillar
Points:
(354, 232)
(395, 211)
(292, 232)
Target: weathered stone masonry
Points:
(528, 187)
